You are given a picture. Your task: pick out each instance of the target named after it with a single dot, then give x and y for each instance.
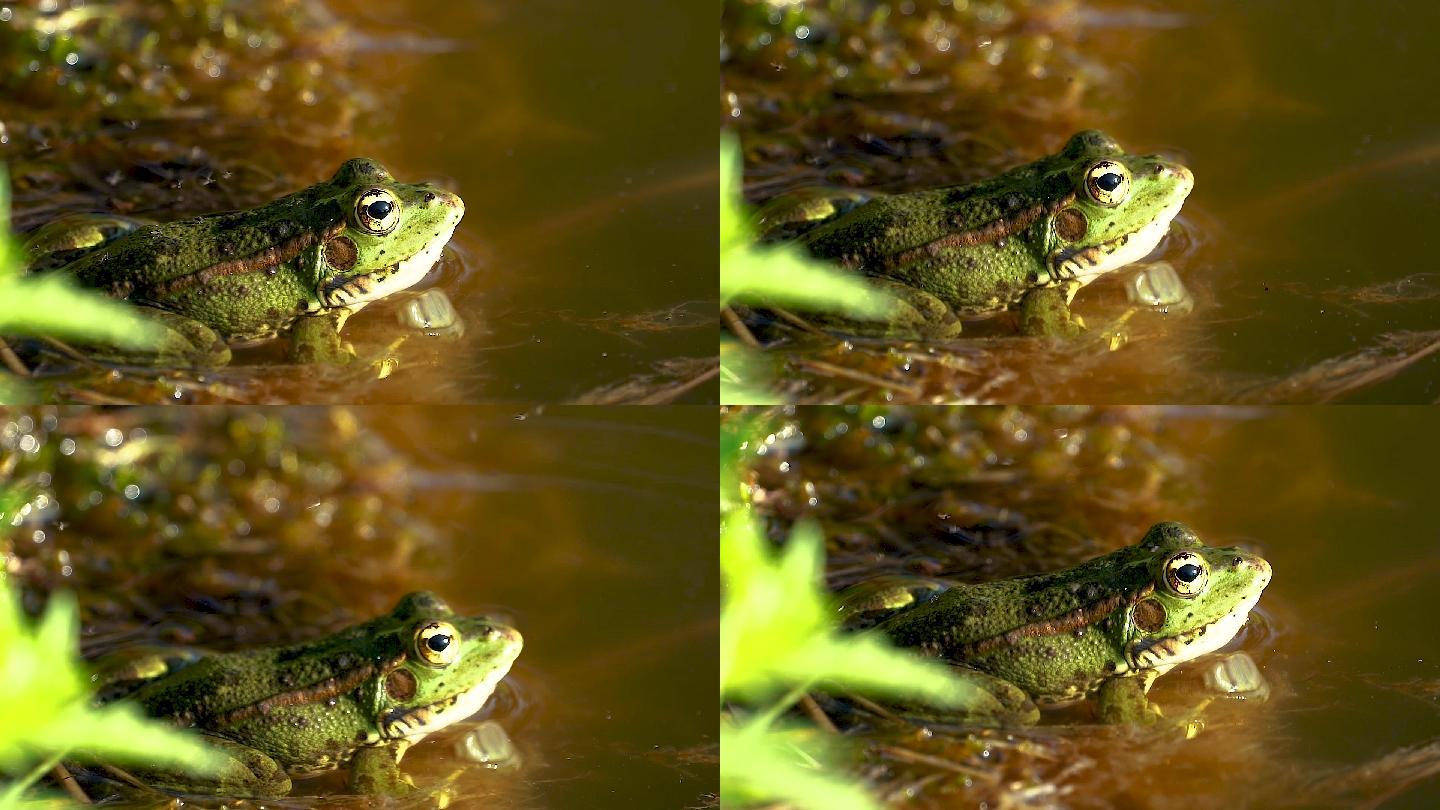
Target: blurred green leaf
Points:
(50, 712)
(52, 304)
(780, 636)
(738, 366)
(780, 629)
(780, 274)
(796, 767)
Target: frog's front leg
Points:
(244, 772)
(1045, 312)
(376, 771)
(316, 339)
(1123, 700)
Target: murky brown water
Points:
(1337, 499)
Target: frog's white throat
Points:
(355, 292)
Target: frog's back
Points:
(152, 261)
(971, 620)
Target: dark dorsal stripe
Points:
(990, 232)
(273, 256)
(1083, 616)
(316, 693)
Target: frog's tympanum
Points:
(1026, 239)
(1104, 629)
(299, 265)
(357, 699)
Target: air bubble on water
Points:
(113, 437)
(132, 491)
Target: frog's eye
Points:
(437, 643)
(377, 212)
(1107, 182)
(1186, 574)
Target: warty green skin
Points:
(356, 699)
(975, 250)
(1114, 621)
(251, 275)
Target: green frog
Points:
(357, 699)
(1026, 240)
(299, 265)
(1105, 629)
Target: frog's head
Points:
(1116, 211)
(451, 665)
(391, 234)
(1199, 600)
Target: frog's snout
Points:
(1174, 173)
(496, 633)
(435, 196)
(1259, 565)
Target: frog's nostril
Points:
(429, 196)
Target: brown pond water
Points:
(585, 265)
(587, 528)
(1311, 133)
(1339, 500)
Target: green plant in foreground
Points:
(49, 715)
(51, 305)
(773, 274)
(779, 638)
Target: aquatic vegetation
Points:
(836, 92)
(173, 493)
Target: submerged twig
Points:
(738, 327)
(1335, 377)
(824, 369)
(12, 360)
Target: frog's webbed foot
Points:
(244, 772)
(316, 339)
(1045, 312)
(376, 772)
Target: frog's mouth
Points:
(1163, 653)
(414, 722)
(353, 292)
(1087, 264)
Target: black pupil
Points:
(440, 641)
(1189, 572)
(379, 210)
(1109, 181)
